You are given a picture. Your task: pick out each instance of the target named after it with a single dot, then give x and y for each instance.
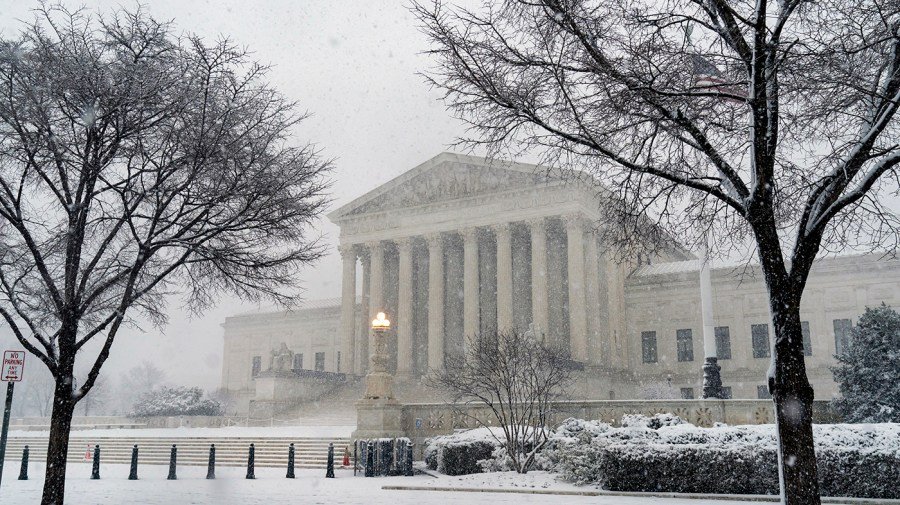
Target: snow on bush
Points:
(459, 453)
(663, 453)
(175, 401)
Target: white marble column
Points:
(575, 262)
(362, 328)
(348, 307)
(435, 301)
(405, 308)
(539, 308)
(504, 277)
(593, 298)
(376, 287)
(471, 322)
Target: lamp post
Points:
(378, 413)
(712, 372)
(379, 380)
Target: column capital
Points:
(501, 228)
(434, 240)
(469, 233)
(574, 222)
(536, 222)
(372, 245)
(404, 244)
(348, 251)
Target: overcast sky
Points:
(353, 65)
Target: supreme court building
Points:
(460, 245)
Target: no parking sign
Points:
(13, 366)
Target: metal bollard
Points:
(355, 454)
(172, 457)
(370, 460)
(250, 461)
(95, 464)
(290, 469)
(409, 460)
(23, 470)
(329, 470)
(132, 475)
(211, 466)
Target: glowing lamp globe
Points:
(380, 324)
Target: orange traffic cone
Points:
(346, 456)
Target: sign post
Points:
(11, 373)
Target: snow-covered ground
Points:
(232, 431)
(310, 486)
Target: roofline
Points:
(527, 168)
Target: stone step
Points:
(194, 451)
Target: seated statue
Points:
(282, 359)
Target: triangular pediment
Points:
(444, 178)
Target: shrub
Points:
(460, 453)
(854, 460)
(175, 401)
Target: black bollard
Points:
(172, 457)
(250, 461)
(23, 470)
(329, 470)
(95, 464)
(370, 460)
(211, 466)
(355, 452)
(290, 470)
(409, 460)
(132, 475)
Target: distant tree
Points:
(138, 380)
(517, 377)
(868, 371)
(176, 401)
(97, 401)
(766, 124)
(135, 162)
(38, 392)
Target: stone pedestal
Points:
(378, 413)
(378, 418)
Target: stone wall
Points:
(441, 419)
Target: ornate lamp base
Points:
(712, 379)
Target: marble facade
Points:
(458, 246)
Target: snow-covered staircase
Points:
(230, 451)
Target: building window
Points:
(256, 366)
(841, 335)
(726, 392)
(807, 338)
(760, 335)
(648, 346)
(320, 361)
(298, 361)
(762, 392)
(685, 341)
(338, 367)
(687, 393)
(723, 342)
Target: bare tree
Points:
(517, 377)
(138, 380)
(765, 122)
(133, 163)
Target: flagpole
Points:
(712, 376)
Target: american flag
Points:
(707, 77)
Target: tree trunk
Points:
(793, 397)
(58, 446)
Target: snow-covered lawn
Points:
(271, 488)
(231, 431)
